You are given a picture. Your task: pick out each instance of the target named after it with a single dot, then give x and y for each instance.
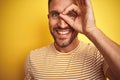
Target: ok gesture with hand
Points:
(83, 21)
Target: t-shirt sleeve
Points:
(105, 67)
(28, 73)
(100, 59)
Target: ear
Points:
(48, 16)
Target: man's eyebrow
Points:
(54, 11)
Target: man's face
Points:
(62, 32)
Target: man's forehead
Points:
(60, 5)
(61, 0)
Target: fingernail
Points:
(63, 13)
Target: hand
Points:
(84, 21)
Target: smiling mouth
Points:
(63, 32)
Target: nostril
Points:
(62, 23)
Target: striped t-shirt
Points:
(83, 63)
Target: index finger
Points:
(72, 7)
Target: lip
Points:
(63, 33)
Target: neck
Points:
(69, 48)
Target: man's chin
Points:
(63, 44)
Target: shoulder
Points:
(42, 49)
(91, 50)
(40, 52)
(90, 47)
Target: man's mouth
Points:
(63, 32)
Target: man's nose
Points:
(62, 23)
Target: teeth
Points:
(65, 32)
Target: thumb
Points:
(67, 19)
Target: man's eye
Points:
(71, 14)
(55, 14)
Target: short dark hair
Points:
(49, 2)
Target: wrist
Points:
(90, 31)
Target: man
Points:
(68, 58)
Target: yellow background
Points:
(24, 27)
